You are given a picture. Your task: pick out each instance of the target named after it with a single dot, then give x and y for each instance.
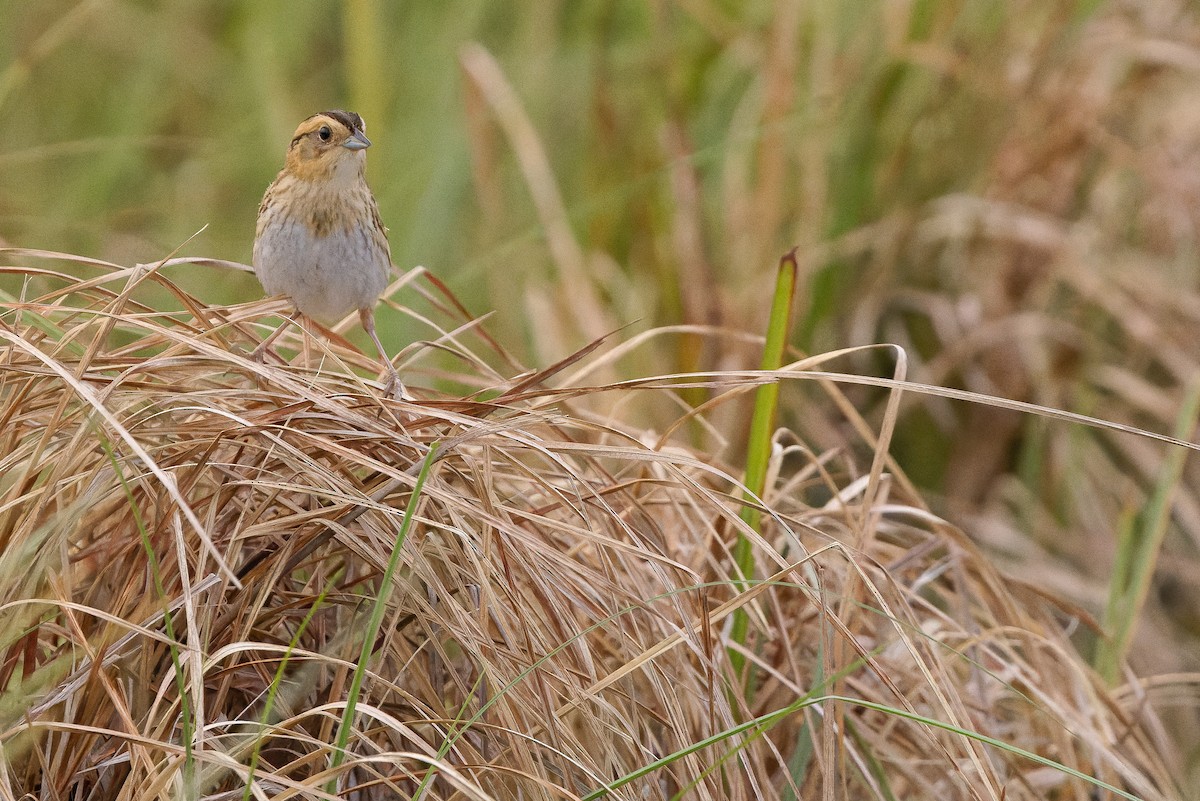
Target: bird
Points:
(319, 238)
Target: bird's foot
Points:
(395, 387)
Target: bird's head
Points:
(329, 146)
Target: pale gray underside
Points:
(326, 277)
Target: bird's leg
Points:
(394, 386)
(305, 345)
(260, 352)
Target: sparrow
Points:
(319, 239)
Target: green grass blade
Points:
(1138, 548)
(277, 682)
(366, 71)
(186, 720)
(758, 449)
(763, 723)
(376, 619)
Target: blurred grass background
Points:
(1007, 189)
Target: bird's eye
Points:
(324, 133)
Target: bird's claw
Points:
(395, 388)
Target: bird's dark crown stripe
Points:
(352, 121)
(347, 118)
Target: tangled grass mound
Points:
(224, 579)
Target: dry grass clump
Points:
(192, 547)
(1005, 189)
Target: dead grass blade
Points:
(557, 622)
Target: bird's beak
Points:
(357, 141)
